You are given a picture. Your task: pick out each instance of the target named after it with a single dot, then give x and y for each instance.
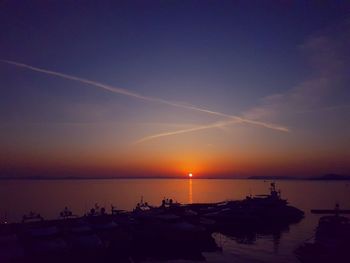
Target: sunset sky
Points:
(165, 88)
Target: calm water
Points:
(50, 197)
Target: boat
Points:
(66, 214)
(32, 217)
(39, 237)
(241, 220)
(160, 233)
(331, 240)
(261, 210)
(168, 203)
(169, 231)
(142, 207)
(96, 211)
(115, 211)
(272, 199)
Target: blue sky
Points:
(282, 63)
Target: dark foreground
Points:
(170, 231)
(332, 238)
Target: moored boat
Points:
(331, 240)
(262, 210)
(40, 237)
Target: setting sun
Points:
(190, 175)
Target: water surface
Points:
(49, 197)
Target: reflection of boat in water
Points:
(243, 220)
(332, 238)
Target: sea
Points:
(49, 197)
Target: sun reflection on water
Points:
(190, 193)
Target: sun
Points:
(190, 175)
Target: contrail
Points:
(145, 98)
(197, 128)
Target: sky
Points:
(167, 88)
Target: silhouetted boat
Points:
(261, 210)
(66, 213)
(160, 233)
(32, 217)
(243, 220)
(39, 237)
(169, 203)
(332, 238)
(142, 207)
(169, 231)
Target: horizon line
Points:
(262, 177)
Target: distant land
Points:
(84, 177)
(326, 177)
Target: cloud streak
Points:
(327, 53)
(146, 98)
(194, 129)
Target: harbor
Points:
(174, 131)
(170, 230)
